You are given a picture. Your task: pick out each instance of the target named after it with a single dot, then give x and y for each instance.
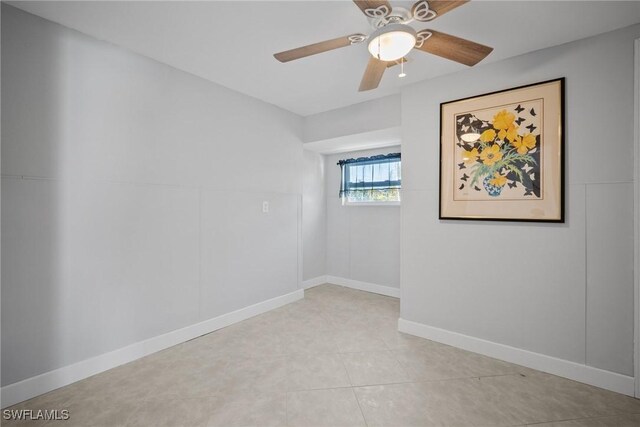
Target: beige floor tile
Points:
(250, 409)
(309, 372)
(262, 343)
(435, 362)
(303, 305)
(307, 320)
(215, 343)
(272, 321)
(462, 402)
(187, 381)
(354, 318)
(393, 405)
(172, 355)
(124, 385)
(373, 367)
(326, 287)
(543, 398)
(597, 397)
(324, 293)
(267, 374)
(95, 410)
(395, 340)
(298, 363)
(357, 340)
(56, 399)
(613, 421)
(171, 413)
(319, 408)
(312, 342)
(88, 412)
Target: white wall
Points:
(314, 216)
(365, 117)
(562, 290)
(132, 198)
(363, 242)
(359, 243)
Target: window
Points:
(375, 179)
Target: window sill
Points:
(358, 204)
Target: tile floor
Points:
(333, 359)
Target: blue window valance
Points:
(371, 178)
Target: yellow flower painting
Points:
(512, 133)
(488, 135)
(503, 120)
(504, 161)
(491, 155)
(469, 157)
(502, 155)
(498, 180)
(524, 143)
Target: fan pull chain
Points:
(402, 73)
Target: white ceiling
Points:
(232, 42)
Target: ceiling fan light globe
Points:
(392, 42)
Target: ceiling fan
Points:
(393, 38)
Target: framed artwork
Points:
(502, 155)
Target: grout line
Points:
(345, 369)
(436, 380)
(359, 406)
(399, 382)
(400, 364)
(514, 374)
(321, 388)
(352, 390)
(578, 419)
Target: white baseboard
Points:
(586, 374)
(364, 286)
(320, 280)
(354, 284)
(35, 386)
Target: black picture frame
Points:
(559, 204)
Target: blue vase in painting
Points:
(492, 190)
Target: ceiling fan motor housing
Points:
(398, 15)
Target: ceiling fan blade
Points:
(440, 7)
(450, 47)
(428, 10)
(373, 74)
(374, 8)
(312, 49)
